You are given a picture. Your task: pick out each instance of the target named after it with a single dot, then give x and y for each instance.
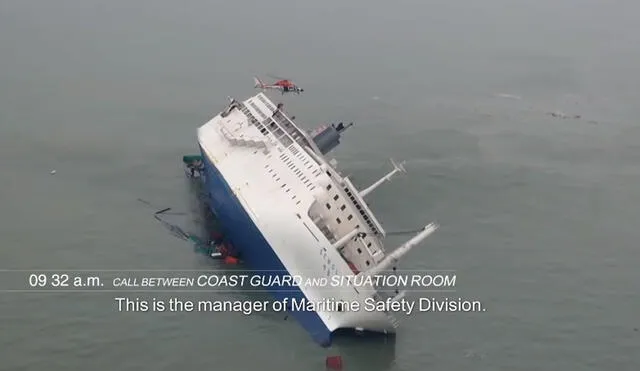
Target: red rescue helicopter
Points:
(284, 85)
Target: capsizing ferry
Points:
(287, 211)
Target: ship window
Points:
(338, 220)
(277, 179)
(297, 203)
(328, 173)
(329, 187)
(335, 197)
(350, 217)
(288, 189)
(283, 185)
(369, 244)
(359, 250)
(367, 263)
(343, 207)
(266, 166)
(328, 206)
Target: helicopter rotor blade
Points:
(277, 77)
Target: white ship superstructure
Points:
(288, 210)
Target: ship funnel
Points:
(396, 168)
(328, 137)
(394, 256)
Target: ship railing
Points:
(364, 211)
(281, 133)
(280, 119)
(290, 127)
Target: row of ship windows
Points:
(279, 133)
(257, 123)
(253, 105)
(362, 212)
(287, 142)
(277, 179)
(252, 119)
(366, 218)
(306, 160)
(284, 123)
(330, 268)
(263, 100)
(297, 171)
(349, 218)
(357, 204)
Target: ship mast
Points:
(396, 168)
(393, 257)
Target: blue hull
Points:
(248, 242)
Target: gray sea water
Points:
(540, 215)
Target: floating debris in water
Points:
(210, 248)
(53, 172)
(334, 362)
(508, 96)
(164, 211)
(561, 115)
(473, 354)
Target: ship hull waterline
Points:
(248, 241)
